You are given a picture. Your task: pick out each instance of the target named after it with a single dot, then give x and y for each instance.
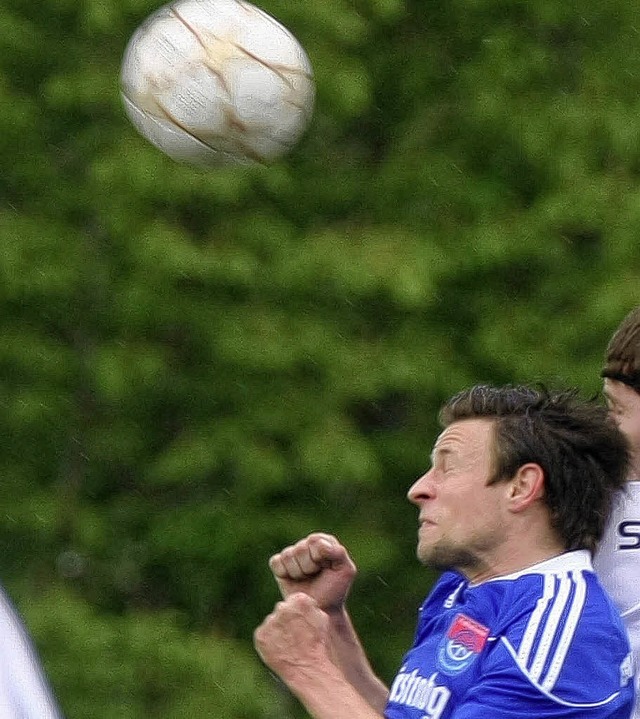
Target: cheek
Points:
(475, 512)
(629, 419)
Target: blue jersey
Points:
(544, 642)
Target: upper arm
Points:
(505, 689)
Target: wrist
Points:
(341, 632)
(338, 617)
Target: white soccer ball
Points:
(215, 82)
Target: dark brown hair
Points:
(622, 357)
(582, 453)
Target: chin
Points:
(432, 557)
(443, 558)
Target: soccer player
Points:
(515, 501)
(24, 691)
(617, 561)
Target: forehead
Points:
(465, 437)
(620, 394)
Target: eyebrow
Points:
(610, 399)
(439, 451)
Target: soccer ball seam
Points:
(170, 100)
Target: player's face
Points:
(462, 522)
(624, 406)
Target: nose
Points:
(421, 489)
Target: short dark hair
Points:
(582, 453)
(622, 356)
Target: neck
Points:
(512, 561)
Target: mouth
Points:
(425, 524)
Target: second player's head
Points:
(621, 373)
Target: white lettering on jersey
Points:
(414, 690)
(453, 597)
(629, 535)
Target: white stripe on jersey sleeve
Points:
(571, 623)
(550, 629)
(535, 619)
(535, 650)
(562, 702)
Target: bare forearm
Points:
(326, 694)
(349, 656)
(309, 640)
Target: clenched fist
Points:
(318, 566)
(294, 638)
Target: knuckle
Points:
(286, 555)
(300, 599)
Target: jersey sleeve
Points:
(581, 681)
(499, 697)
(24, 691)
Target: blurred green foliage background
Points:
(200, 367)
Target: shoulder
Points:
(616, 561)
(558, 628)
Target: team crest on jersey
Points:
(462, 644)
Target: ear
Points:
(526, 487)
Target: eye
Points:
(448, 465)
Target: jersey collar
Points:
(578, 560)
